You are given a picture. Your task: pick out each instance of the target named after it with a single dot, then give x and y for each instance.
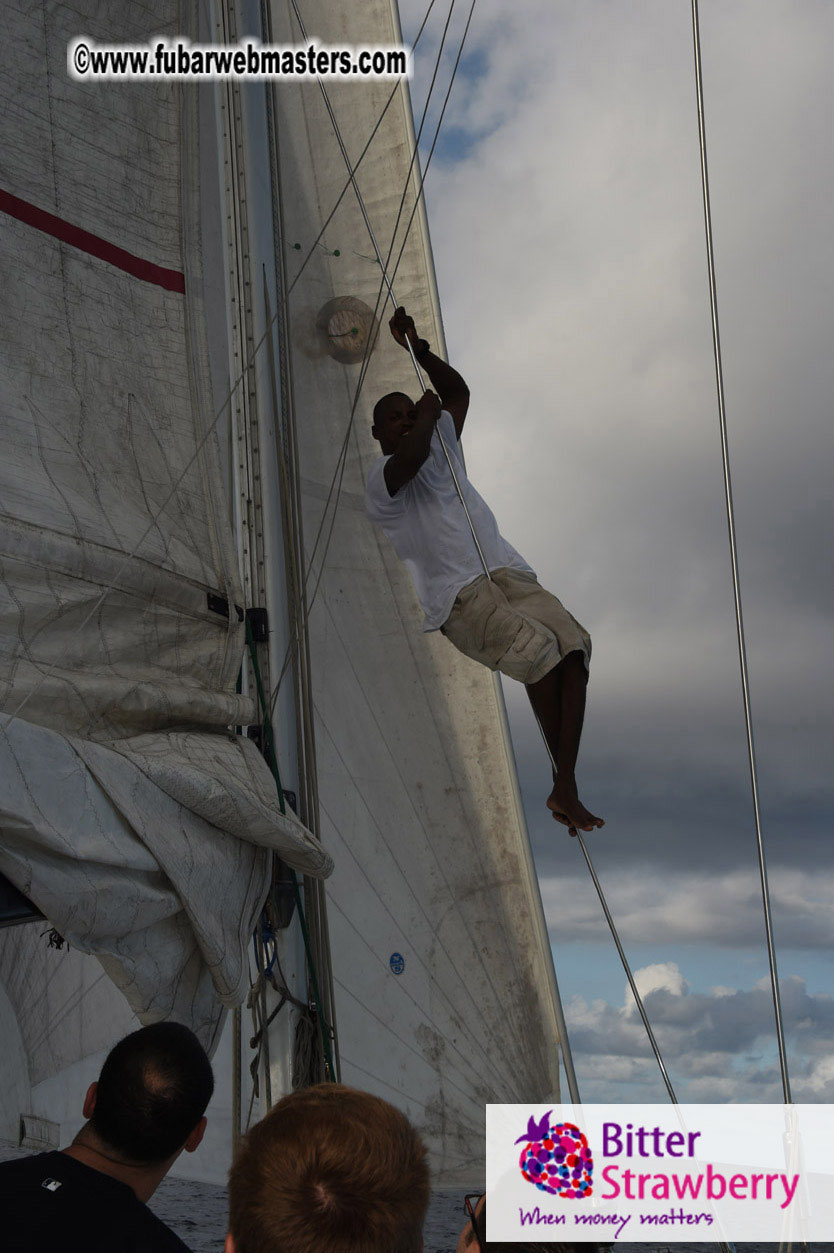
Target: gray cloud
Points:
(571, 264)
(716, 1046)
(568, 238)
(697, 908)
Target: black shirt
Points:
(53, 1202)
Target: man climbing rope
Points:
(507, 621)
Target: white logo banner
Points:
(660, 1173)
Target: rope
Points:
(725, 1246)
(256, 1002)
(269, 751)
(388, 282)
(742, 649)
(307, 1054)
(307, 1058)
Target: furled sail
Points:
(125, 799)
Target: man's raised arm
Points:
(416, 429)
(450, 387)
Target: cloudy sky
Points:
(566, 217)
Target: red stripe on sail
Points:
(171, 280)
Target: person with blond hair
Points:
(330, 1169)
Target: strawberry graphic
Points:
(557, 1158)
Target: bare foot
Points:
(567, 808)
(564, 821)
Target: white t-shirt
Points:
(427, 526)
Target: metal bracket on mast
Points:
(258, 620)
(219, 604)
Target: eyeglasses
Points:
(470, 1203)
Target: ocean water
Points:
(197, 1213)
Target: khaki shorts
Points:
(510, 623)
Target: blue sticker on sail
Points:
(397, 963)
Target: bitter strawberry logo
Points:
(556, 1159)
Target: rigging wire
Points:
(339, 472)
(728, 493)
(388, 282)
(567, 1059)
(370, 344)
(566, 1054)
(294, 546)
(562, 1027)
(341, 460)
(614, 935)
(360, 158)
(637, 998)
(382, 264)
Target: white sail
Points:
(119, 629)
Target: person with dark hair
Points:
(505, 620)
(146, 1108)
(329, 1170)
(472, 1238)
